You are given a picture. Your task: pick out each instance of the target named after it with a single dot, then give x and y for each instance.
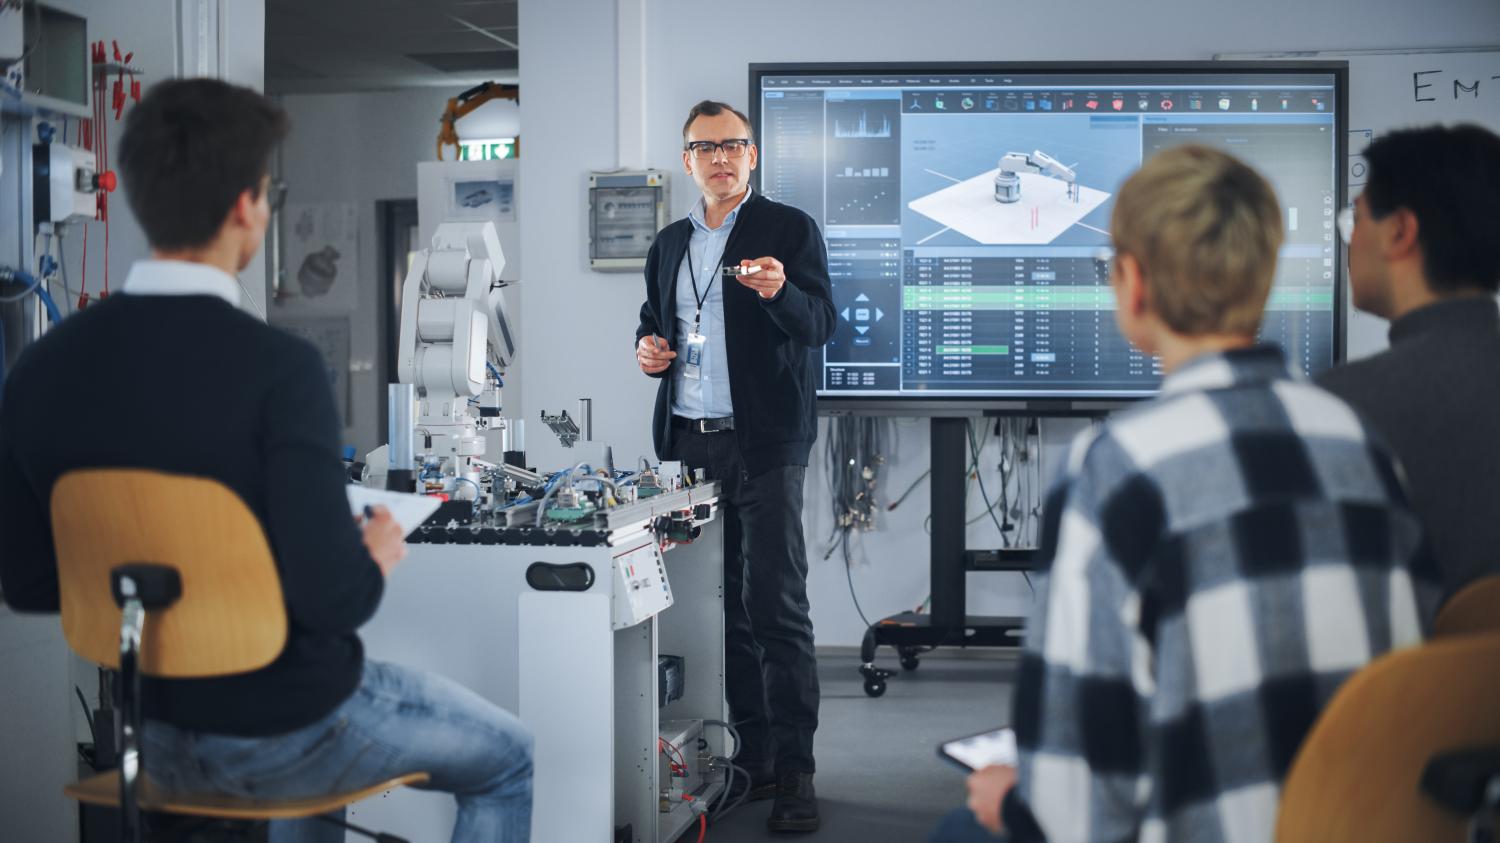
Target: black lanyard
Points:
(693, 276)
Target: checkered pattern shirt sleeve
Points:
(1221, 560)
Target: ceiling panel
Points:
(477, 62)
(329, 46)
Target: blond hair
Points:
(1205, 229)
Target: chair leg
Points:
(132, 618)
(1482, 824)
(377, 836)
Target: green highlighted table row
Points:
(1061, 298)
(973, 349)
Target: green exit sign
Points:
(488, 149)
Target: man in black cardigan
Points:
(191, 384)
(737, 303)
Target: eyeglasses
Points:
(707, 150)
(276, 194)
(1345, 222)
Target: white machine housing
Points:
(69, 186)
(579, 666)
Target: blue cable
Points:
(52, 312)
(22, 276)
(33, 285)
(477, 490)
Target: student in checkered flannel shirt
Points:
(1222, 558)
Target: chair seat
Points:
(104, 789)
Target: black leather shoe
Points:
(796, 808)
(762, 786)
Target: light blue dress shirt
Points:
(708, 396)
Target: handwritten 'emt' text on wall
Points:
(1428, 90)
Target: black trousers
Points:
(771, 671)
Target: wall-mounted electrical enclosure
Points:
(626, 210)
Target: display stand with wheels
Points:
(947, 624)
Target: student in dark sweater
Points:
(190, 384)
(1422, 255)
(734, 355)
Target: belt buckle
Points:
(702, 425)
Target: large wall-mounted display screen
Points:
(966, 210)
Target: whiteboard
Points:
(1395, 89)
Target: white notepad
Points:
(408, 510)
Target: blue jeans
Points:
(398, 721)
(959, 826)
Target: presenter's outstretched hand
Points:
(653, 354)
(384, 539)
(767, 280)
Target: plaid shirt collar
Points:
(1222, 370)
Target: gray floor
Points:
(879, 778)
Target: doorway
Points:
(396, 225)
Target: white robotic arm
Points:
(1008, 182)
(455, 334)
(452, 321)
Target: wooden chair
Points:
(187, 558)
(1367, 770)
(1475, 608)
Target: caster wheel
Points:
(875, 687)
(910, 662)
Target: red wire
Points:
(104, 149)
(702, 826)
(681, 759)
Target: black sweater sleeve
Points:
(651, 306)
(804, 308)
(328, 578)
(28, 560)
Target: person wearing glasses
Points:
(197, 386)
(738, 302)
(1422, 255)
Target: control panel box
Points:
(641, 587)
(64, 183)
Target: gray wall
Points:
(580, 324)
(360, 148)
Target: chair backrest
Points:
(1473, 608)
(231, 617)
(1358, 774)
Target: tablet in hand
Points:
(985, 749)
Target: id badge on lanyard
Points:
(692, 366)
(692, 361)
